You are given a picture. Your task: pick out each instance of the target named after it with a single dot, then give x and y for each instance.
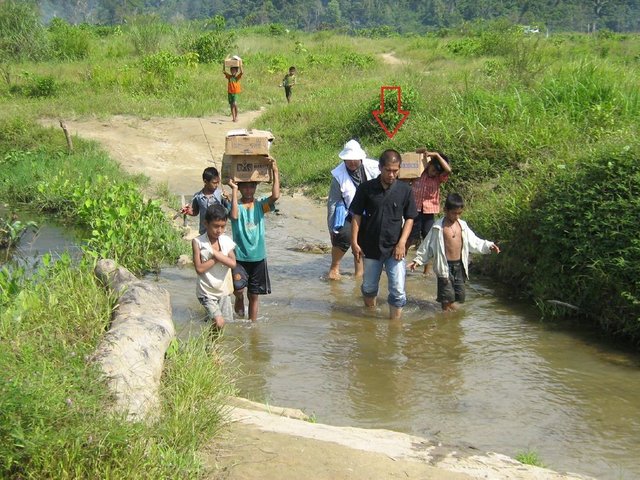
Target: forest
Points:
(383, 17)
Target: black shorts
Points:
(421, 226)
(252, 275)
(342, 239)
(287, 91)
(452, 289)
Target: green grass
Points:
(530, 458)
(53, 403)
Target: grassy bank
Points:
(52, 398)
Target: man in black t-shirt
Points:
(383, 210)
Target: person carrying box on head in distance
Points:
(426, 191)
(351, 172)
(211, 194)
(213, 259)
(288, 82)
(247, 224)
(449, 243)
(233, 87)
(383, 210)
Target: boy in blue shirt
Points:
(247, 225)
(211, 194)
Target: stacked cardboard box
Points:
(246, 157)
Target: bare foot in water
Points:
(334, 275)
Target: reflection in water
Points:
(490, 375)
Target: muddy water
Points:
(490, 375)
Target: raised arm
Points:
(233, 213)
(275, 189)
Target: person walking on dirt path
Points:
(233, 88)
(383, 210)
(247, 224)
(354, 169)
(213, 259)
(211, 194)
(449, 243)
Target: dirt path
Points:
(267, 445)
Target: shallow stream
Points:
(490, 375)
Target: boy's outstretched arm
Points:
(275, 189)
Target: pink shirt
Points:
(426, 191)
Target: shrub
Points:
(366, 126)
(212, 47)
(357, 60)
(146, 33)
(22, 36)
(124, 226)
(36, 86)
(587, 233)
(69, 42)
(277, 30)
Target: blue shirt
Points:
(201, 202)
(248, 231)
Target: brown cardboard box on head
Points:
(247, 168)
(233, 62)
(413, 164)
(248, 142)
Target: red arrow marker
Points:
(377, 113)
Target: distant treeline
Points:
(383, 16)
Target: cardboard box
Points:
(413, 164)
(232, 62)
(248, 142)
(247, 168)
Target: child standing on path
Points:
(288, 82)
(426, 191)
(233, 88)
(247, 223)
(449, 243)
(211, 194)
(213, 259)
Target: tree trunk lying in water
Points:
(131, 354)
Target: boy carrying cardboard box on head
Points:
(233, 83)
(247, 224)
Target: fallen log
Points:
(131, 354)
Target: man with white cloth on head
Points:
(355, 169)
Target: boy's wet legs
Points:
(238, 305)
(254, 300)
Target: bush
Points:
(69, 42)
(212, 47)
(146, 33)
(365, 125)
(22, 36)
(587, 233)
(36, 86)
